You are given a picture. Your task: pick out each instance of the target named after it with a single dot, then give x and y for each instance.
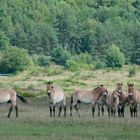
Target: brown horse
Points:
(57, 97)
(112, 103)
(133, 99)
(122, 99)
(87, 97)
(10, 96)
(103, 102)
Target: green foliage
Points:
(99, 64)
(60, 55)
(79, 61)
(114, 57)
(41, 60)
(132, 70)
(14, 59)
(72, 65)
(4, 41)
(79, 26)
(51, 71)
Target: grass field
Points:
(34, 122)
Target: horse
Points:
(86, 97)
(10, 96)
(133, 99)
(56, 97)
(122, 99)
(102, 102)
(112, 103)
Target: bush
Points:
(60, 55)
(14, 59)
(41, 60)
(99, 64)
(84, 60)
(72, 65)
(132, 71)
(114, 57)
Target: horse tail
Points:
(21, 98)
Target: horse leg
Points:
(50, 110)
(131, 112)
(135, 111)
(111, 112)
(64, 107)
(77, 109)
(10, 110)
(98, 110)
(93, 109)
(71, 106)
(16, 108)
(60, 109)
(114, 112)
(71, 110)
(102, 110)
(119, 111)
(108, 109)
(122, 112)
(53, 110)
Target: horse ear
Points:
(117, 84)
(132, 85)
(121, 83)
(49, 82)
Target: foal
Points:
(10, 96)
(56, 96)
(87, 97)
(113, 103)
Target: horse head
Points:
(49, 86)
(130, 89)
(119, 87)
(115, 95)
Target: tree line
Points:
(44, 27)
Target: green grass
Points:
(34, 123)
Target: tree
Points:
(114, 57)
(14, 59)
(60, 55)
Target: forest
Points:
(99, 32)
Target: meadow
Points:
(34, 122)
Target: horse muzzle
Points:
(49, 93)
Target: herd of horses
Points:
(114, 101)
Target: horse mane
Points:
(98, 87)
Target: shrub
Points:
(72, 65)
(99, 64)
(41, 60)
(14, 59)
(60, 55)
(84, 60)
(54, 71)
(132, 71)
(114, 57)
